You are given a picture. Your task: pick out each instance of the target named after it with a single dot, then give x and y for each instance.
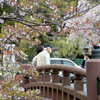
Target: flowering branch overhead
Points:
(44, 17)
(19, 11)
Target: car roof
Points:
(60, 59)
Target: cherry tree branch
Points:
(80, 12)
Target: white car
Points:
(64, 62)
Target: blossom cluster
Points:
(10, 87)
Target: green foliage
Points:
(0, 29)
(31, 52)
(73, 3)
(70, 49)
(93, 1)
(78, 61)
(6, 9)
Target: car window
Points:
(65, 62)
(55, 62)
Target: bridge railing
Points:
(50, 85)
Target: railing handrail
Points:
(70, 69)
